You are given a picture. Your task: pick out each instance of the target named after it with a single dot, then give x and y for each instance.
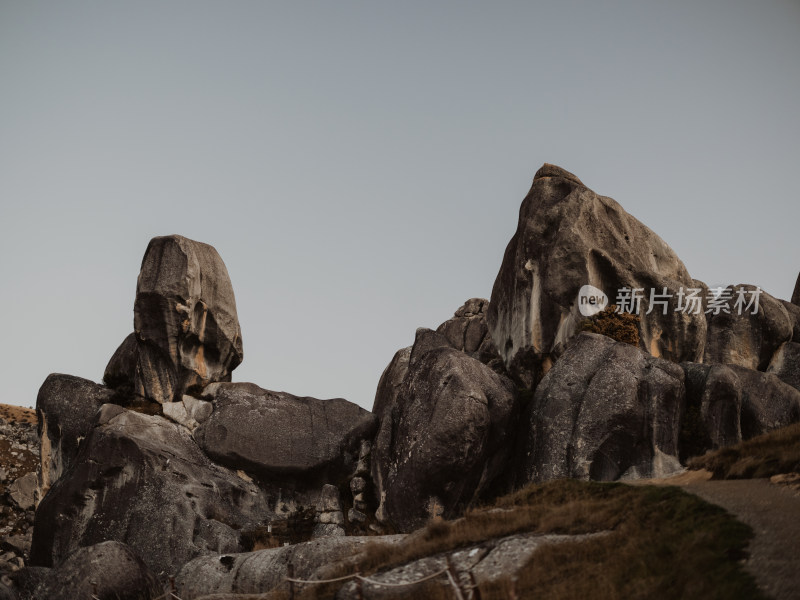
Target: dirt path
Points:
(773, 511)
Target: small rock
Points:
(356, 516)
(358, 485)
(333, 517)
(322, 530)
(23, 491)
(329, 499)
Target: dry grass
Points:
(662, 543)
(17, 414)
(622, 327)
(770, 454)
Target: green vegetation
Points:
(660, 543)
(763, 456)
(622, 327)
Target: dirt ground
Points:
(772, 509)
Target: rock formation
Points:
(569, 237)
(745, 336)
(170, 468)
(185, 323)
(275, 433)
(605, 411)
(65, 407)
(447, 400)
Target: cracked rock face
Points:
(185, 321)
(143, 481)
(567, 237)
(107, 570)
(445, 440)
(66, 407)
(275, 433)
(740, 336)
(606, 410)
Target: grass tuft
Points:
(769, 454)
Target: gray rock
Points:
(108, 571)
(712, 416)
(785, 364)
(66, 407)
(467, 331)
(324, 530)
(590, 240)
(767, 402)
(177, 412)
(197, 409)
(605, 411)
(264, 570)
(24, 491)
(492, 560)
(447, 401)
(329, 499)
(143, 481)
(748, 340)
(121, 369)
(793, 310)
(275, 433)
(185, 319)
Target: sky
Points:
(359, 166)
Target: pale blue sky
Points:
(359, 166)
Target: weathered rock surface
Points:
(568, 237)
(143, 481)
(793, 310)
(23, 491)
(767, 402)
(488, 561)
(712, 417)
(120, 371)
(605, 411)
(263, 570)
(66, 407)
(796, 293)
(447, 437)
(785, 364)
(185, 320)
(107, 571)
(738, 336)
(467, 331)
(274, 433)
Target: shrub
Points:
(622, 327)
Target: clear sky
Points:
(359, 166)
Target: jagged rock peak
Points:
(548, 170)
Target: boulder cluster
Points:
(169, 473)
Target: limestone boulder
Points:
(185, 320)
(66, 407)
(712, 414)
(785, 364)
(743, 334)
(446, 439)
(143, 481)
(120, 371)
(468, 332)
(605, 411)
(275, 433)
(568, 237)
(767, 402)
(106, 571)
(264, 570)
